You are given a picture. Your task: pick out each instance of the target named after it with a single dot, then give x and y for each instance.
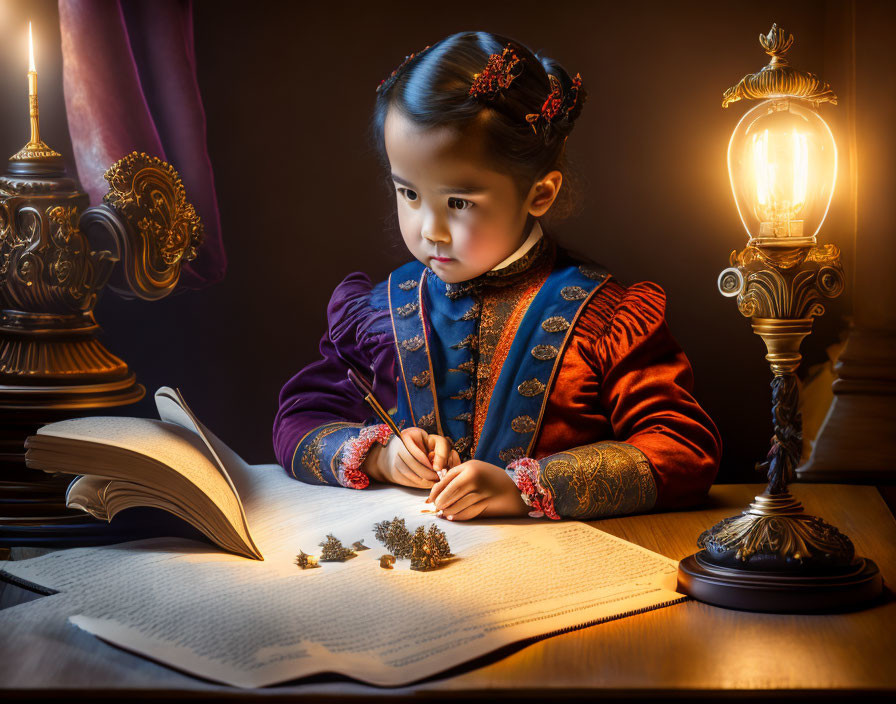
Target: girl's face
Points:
(456, 215)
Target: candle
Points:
(32, 91)
(35, 149)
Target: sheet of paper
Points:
(250, 623)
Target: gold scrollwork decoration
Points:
(523, 424)
(408, 285)
(473, 312)
(783, 283)
(544, 352)
(591, 272)
(149, 193)
(407, 309)
(573, 293)
(556, 323)
(800, 537)
(470, 341)
(468, 367)
(510, 454)
(463, 444)
(421, 379)
(779, 78)
(531, 387)
(413, 344)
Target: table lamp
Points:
(782, 161)
(56, 257)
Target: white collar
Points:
(534, 235)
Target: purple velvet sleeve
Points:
(358, 330)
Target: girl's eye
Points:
(408, 193)
(460, 203)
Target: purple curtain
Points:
(129, 76)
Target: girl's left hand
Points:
(476, 488)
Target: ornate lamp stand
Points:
(775, 557)
(56, 256)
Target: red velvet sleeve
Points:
(623, 432)
(647, 392)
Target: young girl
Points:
(542, 384)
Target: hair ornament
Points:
(498, 74)
(390, 79)
(557, 104)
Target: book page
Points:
(173, 408)
(249, 623)
(177, 447)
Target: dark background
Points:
(288, 89)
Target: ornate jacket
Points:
(548, 367)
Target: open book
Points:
(252, 623)
(174, 463)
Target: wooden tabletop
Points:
(689, 649)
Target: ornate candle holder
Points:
(56, 256)
(782, 161)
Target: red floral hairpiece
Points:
(390, 79)
(498, 74)
(556, 103)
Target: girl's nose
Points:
(436, 233)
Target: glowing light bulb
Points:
(782, 161)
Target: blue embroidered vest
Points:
(436, 332)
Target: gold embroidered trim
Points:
(544, 352)
(466, 416)
(531, 387)
(468, 367)
(556, 323)
(523, 424)
(408, 285)
(465, 394)
(421, 379)
(311, 453)
(427, 422)
(432, 385)
(502, 312)
(544, 399)
(601, 479)
(470, 341)
(573, 293)
(511, 453)
(591, 272)
(458, 290)
(473, 313)
(413, 344)
(407, 391)
(463, 444)
(407, 309)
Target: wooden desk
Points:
(688, 650)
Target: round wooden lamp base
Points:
(794, 590)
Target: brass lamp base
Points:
(56, 256)
(776, 558)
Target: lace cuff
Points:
(525, 475)
(355, 452)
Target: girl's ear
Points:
(544, 193)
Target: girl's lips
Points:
(443, 259)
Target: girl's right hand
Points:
(394, 464)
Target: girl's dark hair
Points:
(432, 90)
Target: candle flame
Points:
(30, 51)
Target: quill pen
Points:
(365, 388)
